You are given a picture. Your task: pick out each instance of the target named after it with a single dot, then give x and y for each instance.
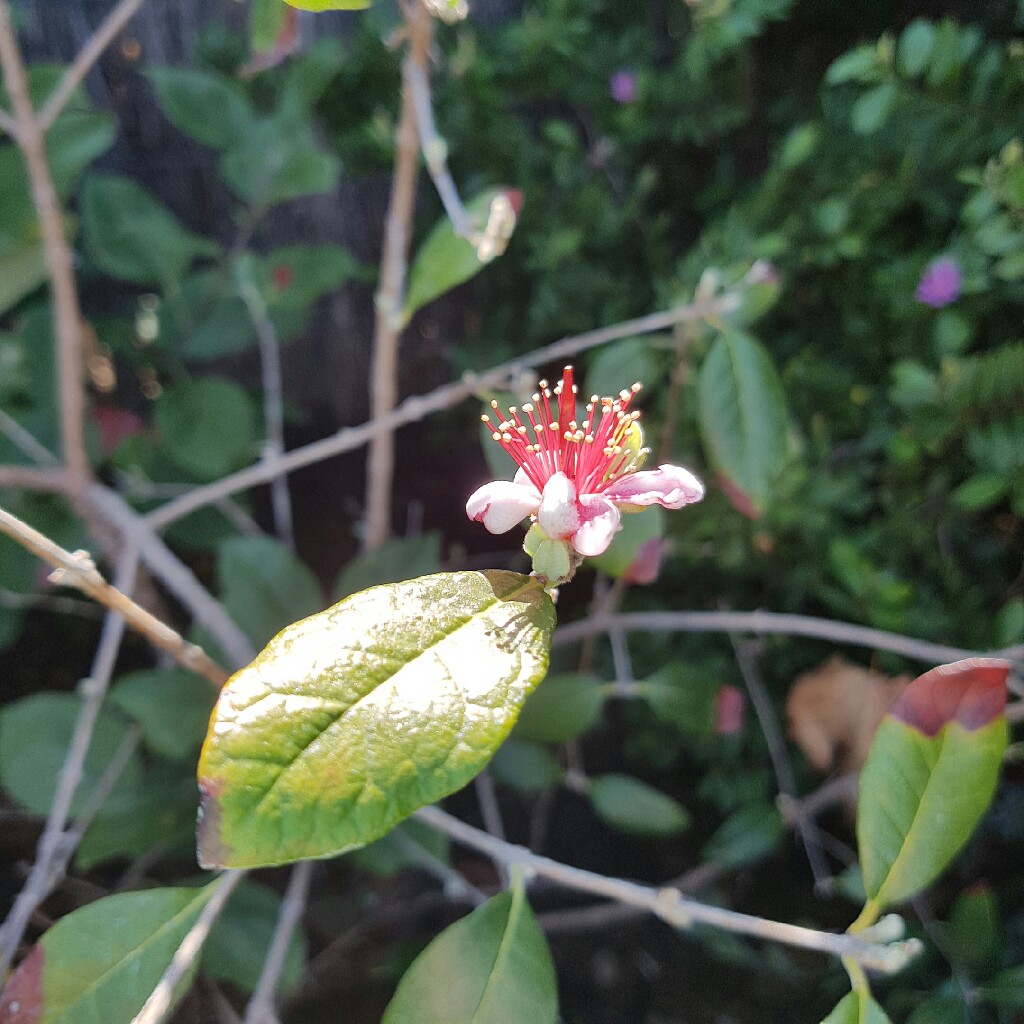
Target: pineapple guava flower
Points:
(575, 477)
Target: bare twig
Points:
(23, 439)
(490, 811)
(177, 577)
(87, 57)
(273, 404)
(45, 871)
(418, 407)
(435, 150)
(76, 569)
(9, 125)
(159, 1003)
(32, 478)
(393, 262)
(67, 316)
(762, 623)
(261, 1006)
(783, 770)
(671, 906)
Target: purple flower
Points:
(623, 86)
(940, 284)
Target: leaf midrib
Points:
(504, 950)
(134, 951)
(480, 611)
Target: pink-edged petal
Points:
(601, 521)
(501, 504)
(559, 516)
(671, 486)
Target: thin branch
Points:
(761, 623)
(76, 569)
(177, 577)
(45, 870)
(24, 440)
(785, 780)
(9, 125)
(261, 1006)
(455, 885)
(67, 315)
(490, 811)
(33, 478)
(671, 906)
(87, 57)
(435, 150)
(161, 999)
(418, 407)
(273, 404)
(380, 464)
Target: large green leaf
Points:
(132, 237)
(930, 775)
(206, 426)
(742, 412)
(352, 719)
(264, 586)
(445, 259)
(209, 107)
(492, 967)
(99, 964)
(35, 733)
(850, 1011)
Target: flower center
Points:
(544, 436)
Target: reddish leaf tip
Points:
(22, 999)
(970, 692)
(210, 850)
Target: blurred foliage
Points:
(814, 159)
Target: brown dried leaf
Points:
(834, 711)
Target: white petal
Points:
(601, 521)
(501, 504)
(671, 486)
(559, 517)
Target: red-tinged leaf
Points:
(22, 999)
(971, 692)
(930, 775)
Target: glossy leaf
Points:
(35, 733)
(264, 586)
(241, 936)
(353, 718)
(204, 105)
(171, 705)
(742, 414)
(564, 707)
(492, 967)
(99, 964)
(525, 766)
(133, 237)
(402, 559)
(206, 426)
(850, 1011)
(445, 260)
(930, 775)
(632, 806)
